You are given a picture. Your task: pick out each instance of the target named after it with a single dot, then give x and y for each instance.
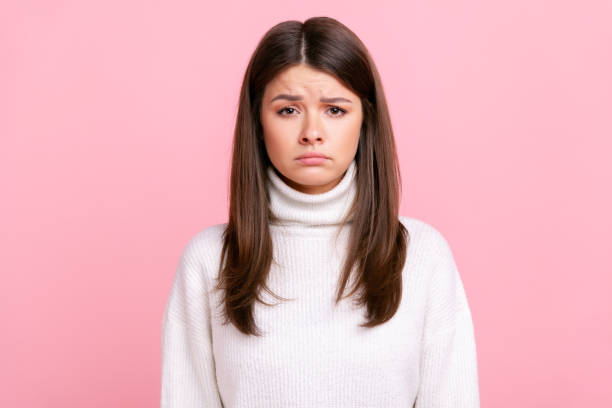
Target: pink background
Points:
(116, 125)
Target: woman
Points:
(316, 293)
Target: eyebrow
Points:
(299, 98)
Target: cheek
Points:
(271, 125)
(270, 131)
(273, 143)
(276, 141)
(352, 132)
(277, 133)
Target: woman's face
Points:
(309, 111)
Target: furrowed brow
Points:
(294, 98)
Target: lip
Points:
(312, 160)
(312, 154)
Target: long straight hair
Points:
(376, 249)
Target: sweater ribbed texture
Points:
(312, 352)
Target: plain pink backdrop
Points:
(116, 126)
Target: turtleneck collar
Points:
(294, 208)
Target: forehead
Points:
(302, 79)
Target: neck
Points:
(291, 207)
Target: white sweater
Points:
(313, 354)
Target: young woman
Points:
(316, 293)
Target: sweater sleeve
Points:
(188, 372)
(448, 369)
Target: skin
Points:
(292, 128)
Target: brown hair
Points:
(378, 240)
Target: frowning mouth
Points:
(312, 158)
(312, 154)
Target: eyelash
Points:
(341, 113)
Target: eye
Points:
(337, 111)
(289, 111)
(280, 112)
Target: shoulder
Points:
(426, 241)
(209, 237)
(425, 232)
(204, 246)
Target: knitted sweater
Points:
(313, 353)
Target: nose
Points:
(311, 132)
